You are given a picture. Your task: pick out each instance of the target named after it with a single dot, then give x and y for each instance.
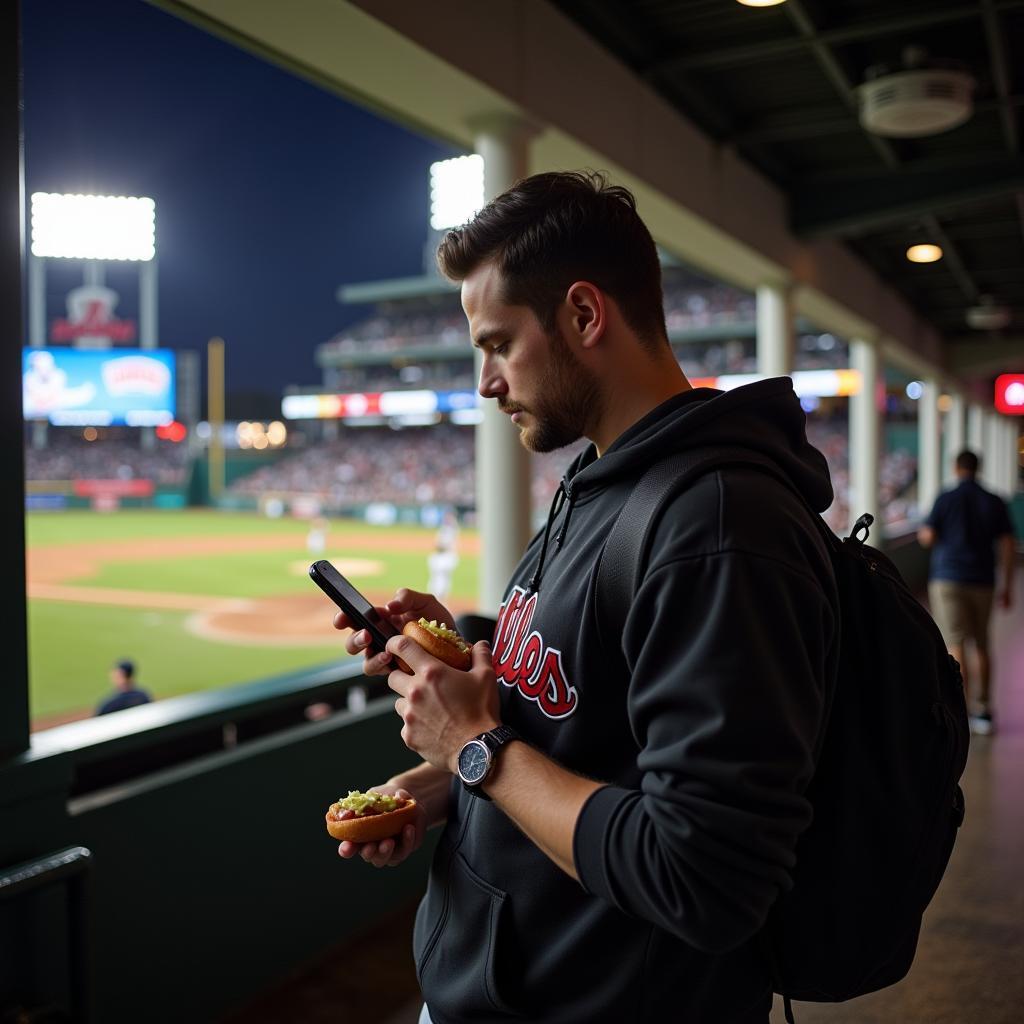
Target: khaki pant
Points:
(962, 611)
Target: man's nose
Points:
(491, 383)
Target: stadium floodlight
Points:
(456, 191)
(93, 227)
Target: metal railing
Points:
(69, 867)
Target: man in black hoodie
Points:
(620, 811)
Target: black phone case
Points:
(345, 596)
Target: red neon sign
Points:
(1010, 394)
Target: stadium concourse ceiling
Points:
(738, 130)
(780, 86)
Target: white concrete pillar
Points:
(975, 428)
(1015, 452)
(1009, 451)
(865, 433)
(1003, 475)
(990, 454)
(997, 472)
(955, 437)
(502, 463)
(775, 330)
(928, 447)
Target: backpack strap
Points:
(624, 559)
(624, 555)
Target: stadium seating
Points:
(67, 458)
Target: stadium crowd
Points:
(690, 303)
(420, 466)
(76, 459)
(369, 464)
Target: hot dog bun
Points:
(443, 643)
(372, 826)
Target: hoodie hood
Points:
(765, 417)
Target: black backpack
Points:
(885, 793)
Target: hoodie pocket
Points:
(466, 958)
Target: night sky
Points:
(269, 191)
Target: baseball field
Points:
(198, 599)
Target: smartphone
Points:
(361, 613)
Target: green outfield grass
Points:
(72, 645)
(81, 525)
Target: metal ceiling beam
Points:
(1001, 80)
(951, 258)
(864, 202)
(735, 56)
(792, 127)
(973, 354)
(1000, 73)
(836, 74)
(952, 163)
(839, 78)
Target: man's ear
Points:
(587, 312)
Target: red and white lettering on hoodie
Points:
(524, 662)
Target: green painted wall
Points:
(210, 879)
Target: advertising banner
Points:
(90, 387)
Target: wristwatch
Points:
(476, 758)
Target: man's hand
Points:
(388, 853)
(442, 708)
(406, 606)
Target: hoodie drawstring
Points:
(556, 506)
(568, 515)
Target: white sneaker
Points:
(981, 724)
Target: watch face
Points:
(474, 760)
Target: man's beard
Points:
(570, 403)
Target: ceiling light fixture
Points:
(761, 3)
(926, 253)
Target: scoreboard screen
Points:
(98, 387)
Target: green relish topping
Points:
(367, 803)
(445, 633)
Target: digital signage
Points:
(98, 387)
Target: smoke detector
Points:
(923, 98)
(987, 316)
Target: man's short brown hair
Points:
(552, 229)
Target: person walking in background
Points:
(126, 693)
(966, 526)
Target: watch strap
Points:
(497, 737)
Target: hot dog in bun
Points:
(374, 816)
(442, 642)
